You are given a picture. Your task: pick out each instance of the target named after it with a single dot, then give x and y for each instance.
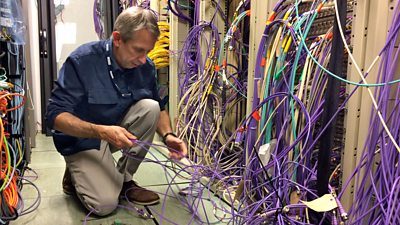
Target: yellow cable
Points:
(160, 53)
(20, 152)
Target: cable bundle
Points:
(266, 169)
(12, 26)
(377, 175)
(160, 53)
(178, 9)
(213, 87)
(10, 200)
(198, 101)
(98, 18)
(286, 110)
(283, 131)
(12, 141)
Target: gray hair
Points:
(133, 19)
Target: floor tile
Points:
(66, 210)
(48, 182)
(43, 143)
(46, 159)
(125, 214)
(52, 210)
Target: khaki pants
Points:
(97, 180)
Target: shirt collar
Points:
(114, 65)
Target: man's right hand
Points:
(117, 136)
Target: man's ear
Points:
(116, 38)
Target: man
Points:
(105, 97)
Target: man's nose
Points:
(142, 59)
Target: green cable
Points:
(336, 76)
(5, 181)
(233, 86)
(222, 48)
(277, 76)
(264, 107)
(294, 68)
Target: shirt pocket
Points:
(102, 97)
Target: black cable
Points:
(331, 103)
(327, 141)
(271, 184)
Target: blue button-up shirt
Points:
(85, 89)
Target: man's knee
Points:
(151, 108)
(142, 118)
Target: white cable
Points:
(363, 79)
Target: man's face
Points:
(132, 53)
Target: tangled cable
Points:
(160, 53)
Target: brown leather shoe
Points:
(67, 185)
(138, 195)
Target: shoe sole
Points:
(146, 203)
(140, 203)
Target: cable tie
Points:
(248, 13)
(319, 8)
(271, 18)
(329, 35)
(263, 62)
(217, 68)
(234, 28)
(256, 115)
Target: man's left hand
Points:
(178, 147)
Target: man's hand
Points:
(178, 147)
(117, 136)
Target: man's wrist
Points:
(164, 138)
(95, 130)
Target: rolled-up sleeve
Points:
(67, 93)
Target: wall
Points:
(30, 12)
(74, 27)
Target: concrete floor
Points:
(56, 208)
